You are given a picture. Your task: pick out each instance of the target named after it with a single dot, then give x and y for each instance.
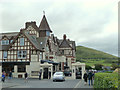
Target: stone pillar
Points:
(61, 66)
(28, 70)
(0, 70)
(73, 72)
(58, 67)
(15, 71)
(51, 72)
(83, 70)
(43, 55)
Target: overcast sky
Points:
(91, 23)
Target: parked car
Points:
(78, 75)
(67, 73)
(58, 76)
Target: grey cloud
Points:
(79, 23)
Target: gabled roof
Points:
(42, 41)
(9, 35)
(31, 38)
(65, 44)
(44, 24)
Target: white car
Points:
(58, 76)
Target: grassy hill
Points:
(91, 56)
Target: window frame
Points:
(22, 41)
(47, 33)
(22, 54)
(4, 42)
(5, 54)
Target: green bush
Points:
(106, 80)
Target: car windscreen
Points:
(58, 73)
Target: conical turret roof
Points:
(44, 24)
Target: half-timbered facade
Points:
(29, 49)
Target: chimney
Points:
(64, 36)
(33, 22)
(27, 24)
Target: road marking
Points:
(77, 84)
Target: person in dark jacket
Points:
(90, 77)
(26, 76)
(85, 77)
(10, 75)
(40, 75)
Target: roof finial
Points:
(43, 12)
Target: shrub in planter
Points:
(106, 80)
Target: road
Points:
(35, 83)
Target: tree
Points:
(87, 67)
(114, 66)
(98, 66)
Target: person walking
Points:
(26, 77)
(10, 75)
(3, 76)
(85, 78)
(40, 75)
(90, 76)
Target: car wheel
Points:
(53, 80)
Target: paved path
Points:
(35, 83)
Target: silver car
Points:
(58, 76)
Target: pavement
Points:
(45, 83)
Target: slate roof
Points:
(44, 24)
(42, 41)
(9, 35)
(66, 44)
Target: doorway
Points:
(45, 74)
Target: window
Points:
(11, 41)
(47, 33)
(5, 55)
(62, 52)
(40, 56)
(21, 68)
(4, 42)
(22, 54)
(21, 41)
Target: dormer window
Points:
(5, 42)
(47, 33)
(21, 41)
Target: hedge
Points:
(106, 80)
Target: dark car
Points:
(78, 75)
(67, 73)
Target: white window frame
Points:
(47, 33)
(4, 54)
(5, 42)
(21, 53)
(22, 40)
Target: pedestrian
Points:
(3, 76)
(40, 75)
(85, 78)
(26, 77)
(10, 75)
(90, 77)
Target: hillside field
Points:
(91, 56)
